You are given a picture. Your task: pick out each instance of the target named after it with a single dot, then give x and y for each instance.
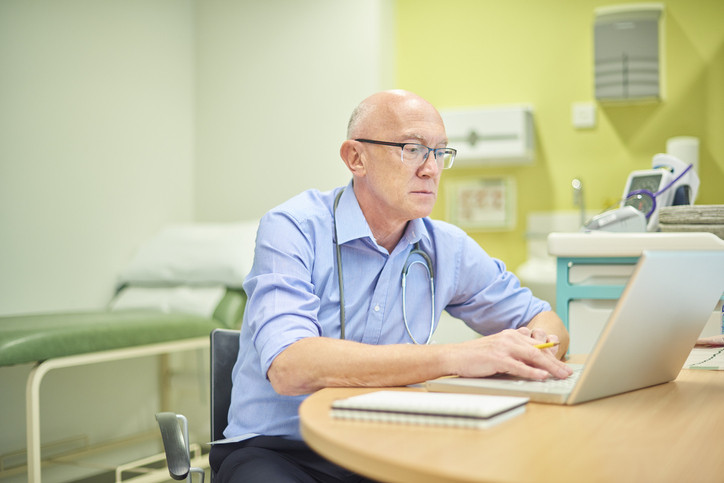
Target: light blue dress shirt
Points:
(293, 293)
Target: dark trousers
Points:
(267, 459)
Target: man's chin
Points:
(423, 209)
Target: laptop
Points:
(646, 340)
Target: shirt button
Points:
(377, 308)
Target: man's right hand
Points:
(509, 352)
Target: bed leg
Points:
(32, 420)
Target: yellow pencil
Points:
(546, 345)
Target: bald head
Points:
(386, 112)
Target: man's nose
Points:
(429, 167)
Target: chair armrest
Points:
(174, 445)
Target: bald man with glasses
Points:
(326, 306)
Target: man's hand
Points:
(713, 341)
(548, 327)
(510, 352)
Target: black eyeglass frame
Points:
(451, 151)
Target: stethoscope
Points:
(405, 269)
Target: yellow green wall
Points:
(490, 52)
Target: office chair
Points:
(224, 348)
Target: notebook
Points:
(645, 341)
(426, 408)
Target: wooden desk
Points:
(670, 432)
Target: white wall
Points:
(96, 142)
(276, 83)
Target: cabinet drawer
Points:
(600, 274)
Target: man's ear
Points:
(351, 153)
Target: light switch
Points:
(583, 115)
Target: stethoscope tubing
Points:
(406, 268)
(428, 266)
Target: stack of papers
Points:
(685, 218)
(442, 409)
(711, 358)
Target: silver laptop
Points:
(645, 342)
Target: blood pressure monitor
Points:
(646, 190)
(669, 182)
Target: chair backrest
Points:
(224, 351)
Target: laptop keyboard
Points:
(549, 385)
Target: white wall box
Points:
(628, 52)
(491, 135)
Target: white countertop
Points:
(611, 244)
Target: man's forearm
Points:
(316, 362)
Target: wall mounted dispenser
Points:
(627, 52)
(491, 135)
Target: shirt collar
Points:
(415, 232)
(351, 223)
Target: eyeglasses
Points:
(414, 154)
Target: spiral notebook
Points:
(425, 408)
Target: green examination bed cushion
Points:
(38, 337)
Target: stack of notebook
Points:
(442, 409)
(706, 218)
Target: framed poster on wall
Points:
(482, 203)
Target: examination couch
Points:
(180, 286)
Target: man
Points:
(294, 339)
